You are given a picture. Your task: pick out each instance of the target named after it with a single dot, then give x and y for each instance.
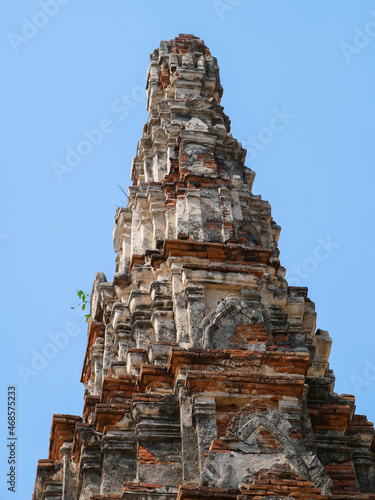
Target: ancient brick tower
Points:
(205, 375)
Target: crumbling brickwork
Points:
(205, 375)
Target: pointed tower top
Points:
(187, 134)
(183, 68)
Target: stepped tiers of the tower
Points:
(205, 376)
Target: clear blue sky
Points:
(65, 71)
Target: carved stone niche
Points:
(258, 439)
(235, 325)
(95, 299)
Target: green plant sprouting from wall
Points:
(85, 300)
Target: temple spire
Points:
(205, 375)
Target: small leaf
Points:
(87, 316)
(84, 298)
(83, 307)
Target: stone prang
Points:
(205, 376)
